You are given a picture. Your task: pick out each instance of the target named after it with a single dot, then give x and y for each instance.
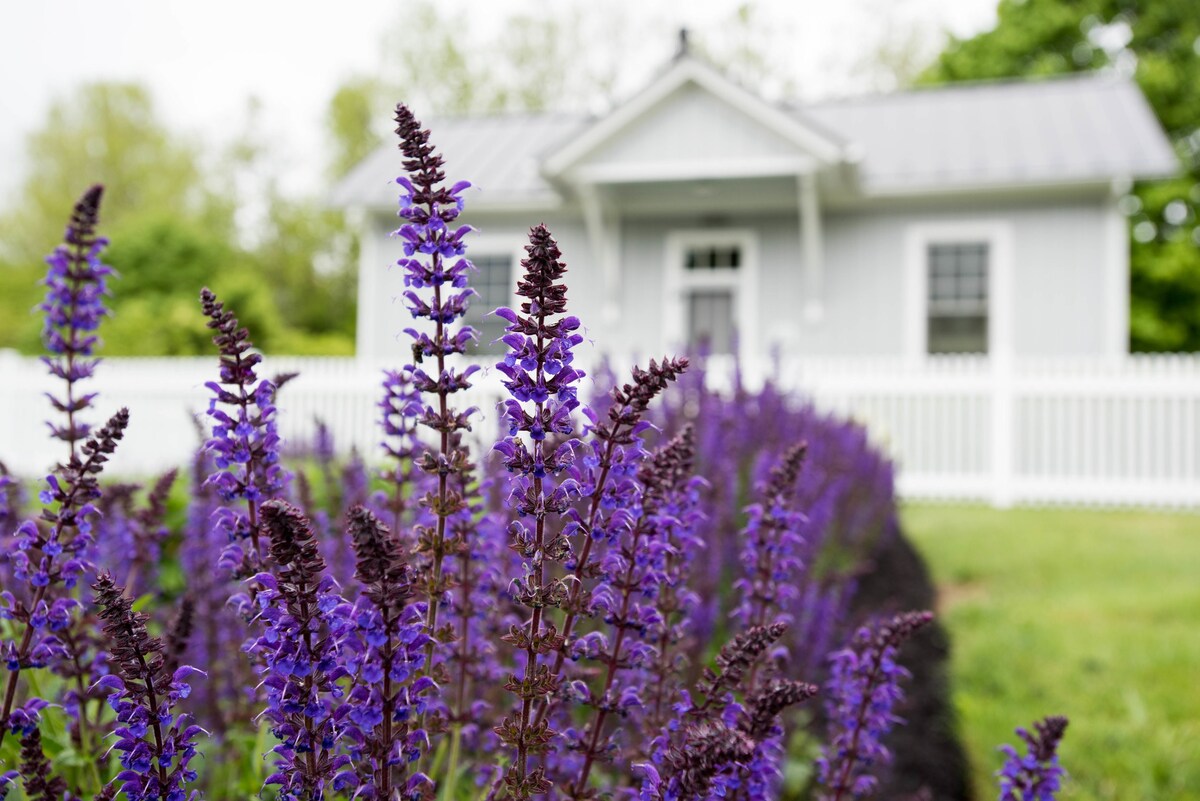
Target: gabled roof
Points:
(1087, 128)
(684, 71)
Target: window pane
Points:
(492, 281)
(710, 320)
(957, 334)
(957, 298)
(713, 258)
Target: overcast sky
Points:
(203, 60)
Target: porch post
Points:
(603, 234)
(812, 246)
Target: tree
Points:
(176, 217)
(108, 133)
(1158, 42)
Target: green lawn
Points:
(1091, 614)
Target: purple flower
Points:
(541, 381)
(76, 285)
(156, 744)
(53, 557)
(385, 653)
(435, 273)
(631, 576)
(41, 784)
(1036, 774)
(244, 442)
(861, 694)
(300, 656)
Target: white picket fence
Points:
(1061, 431)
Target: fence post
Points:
(1003, 401)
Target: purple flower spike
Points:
(303, 620)
(155, 743)
(244, 442)
(386, 652)
(54, 558)
(539, 447)
(435, 273)
(1036, 774)
(76, 285)
(862, 692)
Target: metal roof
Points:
(1065, 130)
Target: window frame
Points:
(742, 281)
(996, 235)
(495, 246)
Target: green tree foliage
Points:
(172, 214)
(108, 133)
(1158, 41)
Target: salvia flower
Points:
(862, 693)
(771, 554)
(606, 478)
(156, 744)
(76, 285)
(54, 555)
(435, 274)
(386, 653)
(400, 410)
(625, 598)
(676, 600)
(244, 441)
(299, 654)
(1035, 775)
(542, 382)
(689, 769)
(41, 784)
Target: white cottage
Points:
(977, 218)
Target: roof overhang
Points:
(814, 148)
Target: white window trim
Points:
(997, 235)
(678, 280)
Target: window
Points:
(493, 283)
(957, 297)
(714, 258)
(711, 273)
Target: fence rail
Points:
(1063, 431)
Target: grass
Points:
(1091, 614)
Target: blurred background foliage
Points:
(183, 214)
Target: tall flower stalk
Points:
(541, 382)
(433, 260)
(385, 655)
(862, 694)
(156, 744)
(52, 557)
(626, 597)
(1035, 775)
(301, 616)
(606, 479)
(76, 285)
(244, 443)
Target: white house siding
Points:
(691, 126)
(382, 317)
(1058, 283)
